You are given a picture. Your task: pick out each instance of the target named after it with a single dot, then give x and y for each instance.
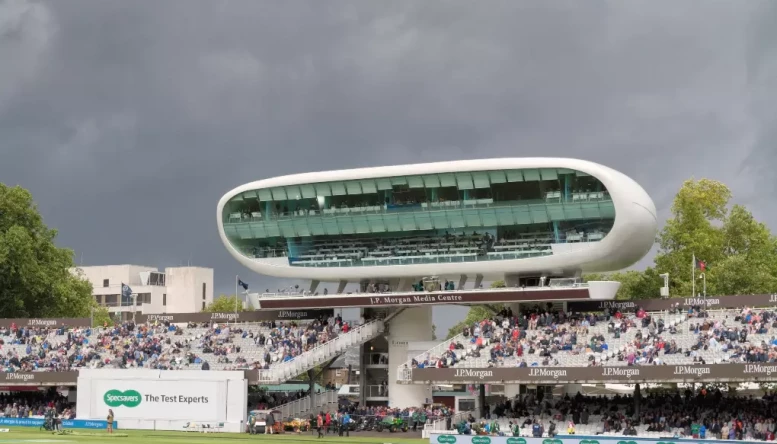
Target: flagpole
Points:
(237, 278)
(693, 276)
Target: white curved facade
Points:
(629, 240)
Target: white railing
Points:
(307, 404)
(555, 287)
(435, 351)
(321, 353)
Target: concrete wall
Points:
(412, 325)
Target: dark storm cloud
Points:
(128, 120)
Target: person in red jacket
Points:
(328, 421)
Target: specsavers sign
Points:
(160, 400)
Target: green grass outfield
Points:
(21, 435)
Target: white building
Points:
(176, 290)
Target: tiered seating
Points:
(551, 340)
(432, 248)
(163, 346)
(660, 416)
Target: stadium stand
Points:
(165, 346)
(705, 414)
(543, 338)
(423, 248)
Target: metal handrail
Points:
(321, 353)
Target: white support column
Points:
(478, 280)
(341, 287)
(314, 286)
(462, 281)
(413, 324)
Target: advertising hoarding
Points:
(168, 400)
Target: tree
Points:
(740, 253)
(35, 275)
(101, 316)
(225, 304)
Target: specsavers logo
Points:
(117, 398)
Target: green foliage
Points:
(101, 316)
(476, 313)
(740, 252)
(35, 275)
(225, 304)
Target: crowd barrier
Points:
(437, 438)
(66, 423)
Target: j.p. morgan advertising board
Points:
(186, 400)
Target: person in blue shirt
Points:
(346, 424)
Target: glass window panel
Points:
(392, 223)
(472, 218)
(505, 216)
(338, 188)
(447, 180)
(316, 227)
(258, 230)
(514, 176)
(264, 195)
(607, 210)
(539, 214)
(488, 218)
(278, 194)
(384, 184)
(249, 194)
(353, 187)
(360, 224)
(424, 221)
(480, 180)
(497, 176)
(415, 182)
(346, 225)
(272, 229)
(330, 226)
(293, 192)
(287, 228)
(408, 222)
(562, 171)
(238, 198)
(399, 181)
(590, 210)
(308, 191)
(580, 173)
(531, 175)
(376, 223)
(368, 186)
(432, 181)
(440, 220)
(301, 227)
(322, 189)
(549, 174)
(456, 219)
(464, 181)
(556, 211)
(244, 231)
(522, 216)
(573, 211)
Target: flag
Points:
(242, 284)
(126, 291)
(126, 295)
(700, 265)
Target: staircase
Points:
(321, 354)
(304, 407)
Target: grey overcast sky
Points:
(128, 120)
